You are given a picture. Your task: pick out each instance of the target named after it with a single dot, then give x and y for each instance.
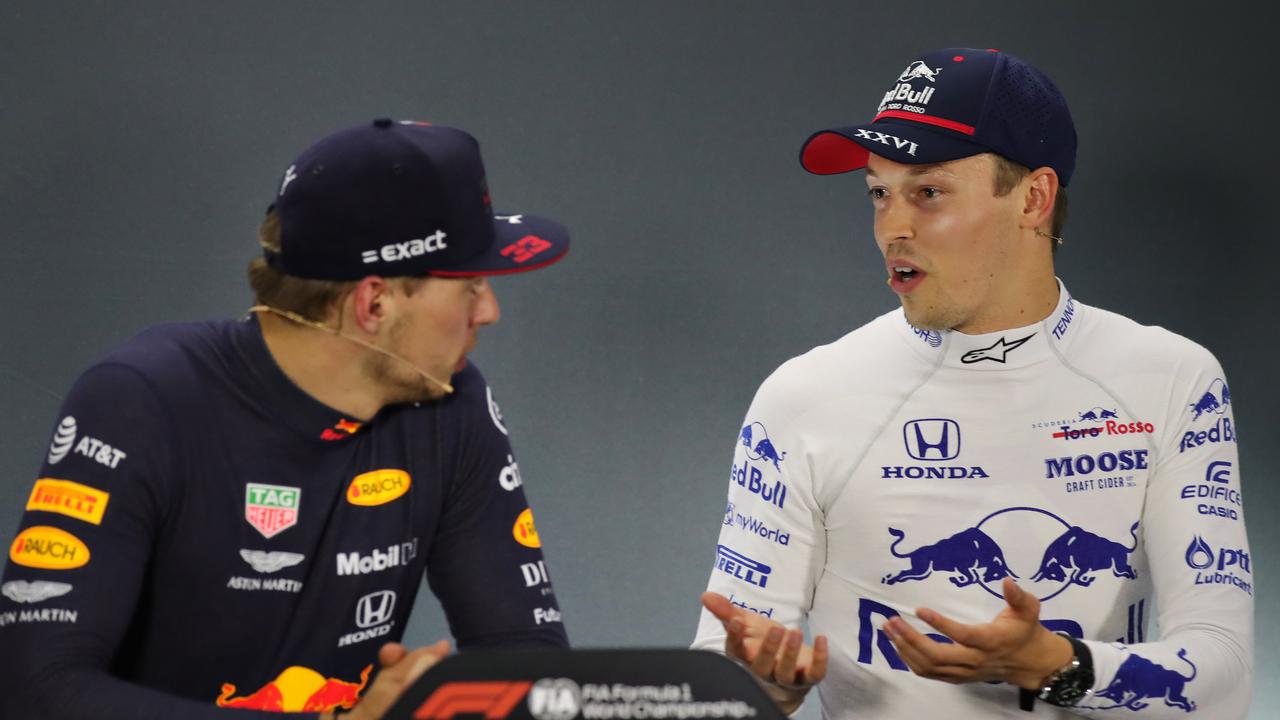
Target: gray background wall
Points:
(139, 146)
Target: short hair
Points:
(1009, 174)
(310, 298)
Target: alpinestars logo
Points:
(997, 351)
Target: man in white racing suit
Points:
(979, 501)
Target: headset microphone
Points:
(295, 317)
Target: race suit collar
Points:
(1002, 349)
(290, 404)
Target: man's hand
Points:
(400, 668)
(1014, 647)
(774, 654)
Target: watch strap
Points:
(1062, 688)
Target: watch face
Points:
(1070, 687)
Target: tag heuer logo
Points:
(271, 509)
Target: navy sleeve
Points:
(77, 567)
(486, 565)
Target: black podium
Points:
(586, 685)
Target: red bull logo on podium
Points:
(298, 689)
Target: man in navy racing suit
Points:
(238, 514)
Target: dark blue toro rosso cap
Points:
(401, 198)
(953, 103)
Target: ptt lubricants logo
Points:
(524, 530)
(298, 689)
(378, 487)
(69, 498)
(49, 548)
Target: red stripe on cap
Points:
(503, 271)
(926, 119)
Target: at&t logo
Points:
(63, 438)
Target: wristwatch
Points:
(1072, 682)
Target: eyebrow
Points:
(920, 170)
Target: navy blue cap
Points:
(401, 199)
(953, 103)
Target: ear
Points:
(369, 303)
(1040, 191)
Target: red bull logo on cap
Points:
(298, 689)
(918, 69)
(904, 96)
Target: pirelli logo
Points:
(69, 498)
(493, 700)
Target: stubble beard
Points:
(396, 376)
(936, 314)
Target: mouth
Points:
(904, 277)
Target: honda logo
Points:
(375, 608)
(932, 439)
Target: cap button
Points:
(382, 123)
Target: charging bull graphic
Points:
(298, 689)
(966, 553)
(1083, 553)
(918, 69)
(1098, 414)
(763, 448)
(1139, 679)
(1214, 400)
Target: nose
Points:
(486, 311)
(893, 222)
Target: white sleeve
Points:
(1194, 538)
(772, 543)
